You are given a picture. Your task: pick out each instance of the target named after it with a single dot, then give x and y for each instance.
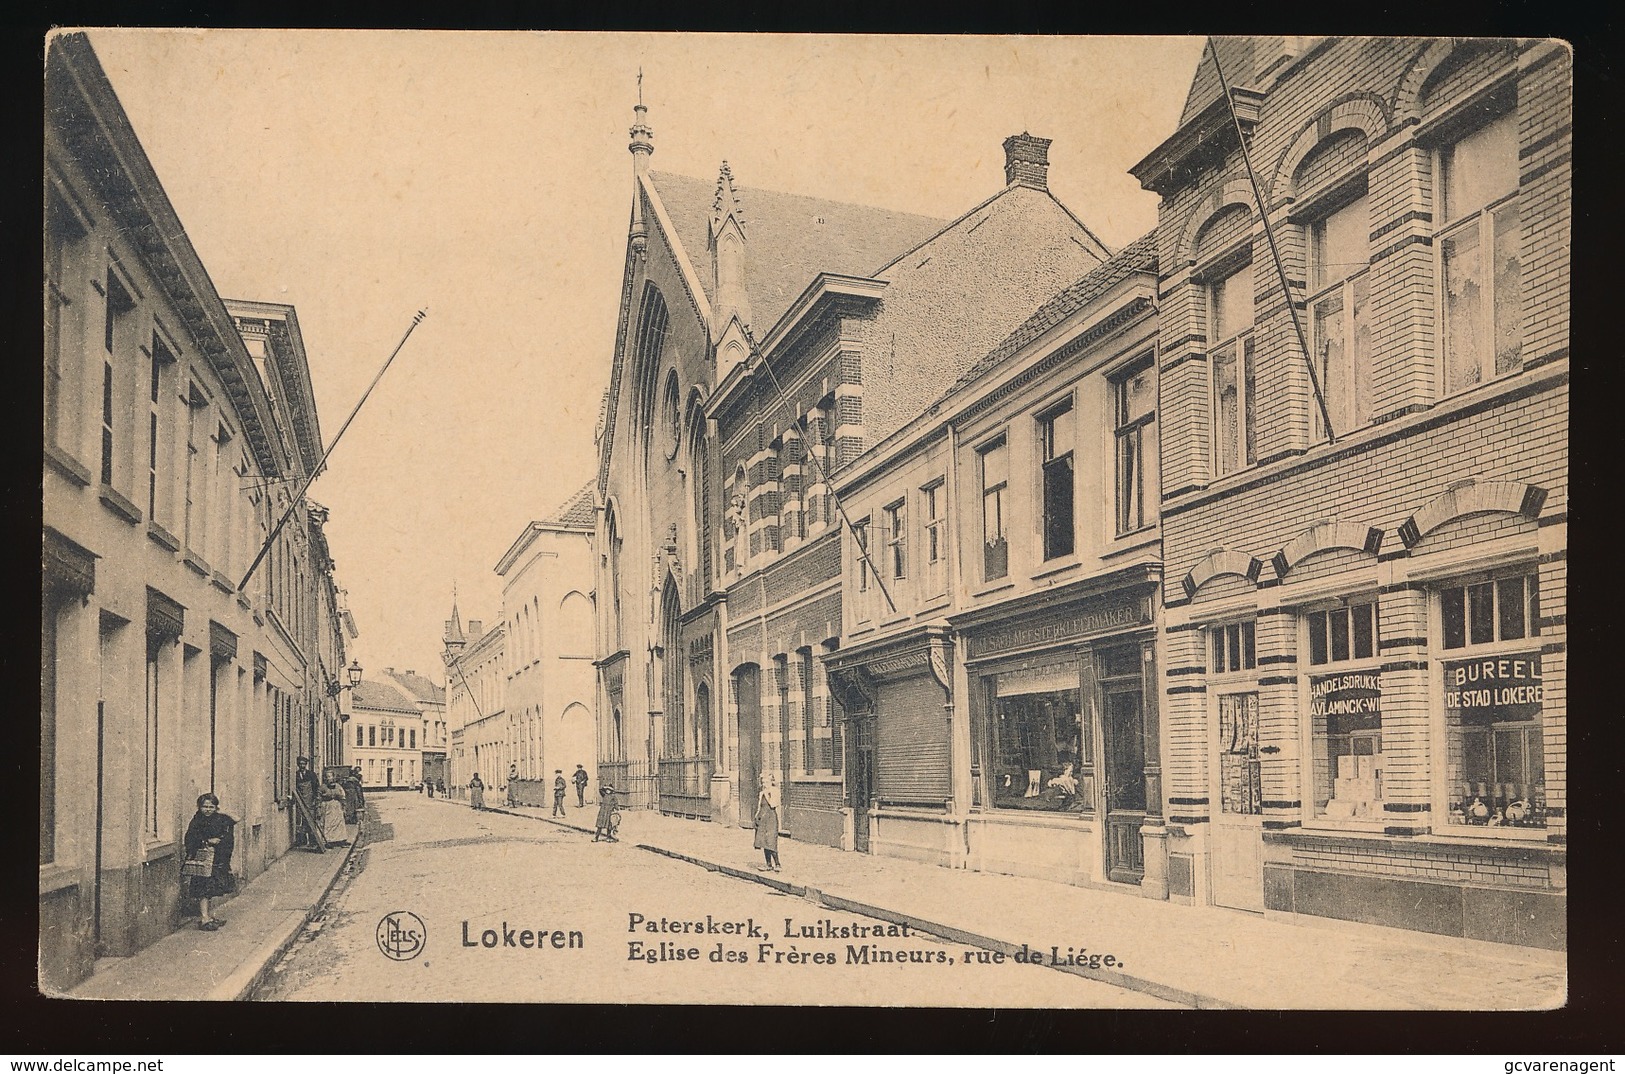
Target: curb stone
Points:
(1102, 975)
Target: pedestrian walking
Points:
(476, 792)
(559, 788)
(767, 823)
(207, 872)
(605, 824)
(353, 803)
(513, 776)
(580, 780)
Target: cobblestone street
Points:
(508, 874)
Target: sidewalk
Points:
(1196, 955)
(262, 920)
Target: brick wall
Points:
(1374, 94)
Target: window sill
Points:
(1133, 541)
(65, 464)
(1001, 586)
(937, 602)
(1059, 565)
(57, 877)
(221, 582)
(116, 502)
(162, 536)
(158, 851)
(815, 778)
(195, 561)
(1034, 818)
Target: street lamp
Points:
(335, 688)
(353, 673)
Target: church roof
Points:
(789, 238)
(578, 512)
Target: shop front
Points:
(896, 697)
(1065, 770)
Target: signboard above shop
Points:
(1501, 689)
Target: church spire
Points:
(454, 626)
(641, 147)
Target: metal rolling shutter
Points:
(911, 747)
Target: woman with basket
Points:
(206, 871)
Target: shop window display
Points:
(1040, 748)
(1345, 709)
(1493, 698)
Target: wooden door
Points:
(861, 777)
(1124, 733)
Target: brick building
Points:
(996, 656)
(717, 439)
(1364, 638)
(177, 427)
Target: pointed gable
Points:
(1235, 54)
(579, 512)
(953, 298)
(790, 238)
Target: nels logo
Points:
(402, 935)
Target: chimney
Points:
(409, 671)
(475, 628)
(1026, 161)
(389, 671)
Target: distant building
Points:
(431, 702)
(384, 736)
(476, 692)
(548, 622)
(177, 427)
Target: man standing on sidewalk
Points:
(558, 792)
(580, 780)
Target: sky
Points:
(363, 175)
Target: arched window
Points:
(1477, 215)
(1331, 185)
(613, 533)
(671, 403)
(650, 343)
(701, 745)
(1225, 269)
(671, 640)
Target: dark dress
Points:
(203, 828)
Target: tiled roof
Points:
(418, 686)
(579, 511)
(789, 239)
(1138, 256)
(1236, 54)
(382, 697)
